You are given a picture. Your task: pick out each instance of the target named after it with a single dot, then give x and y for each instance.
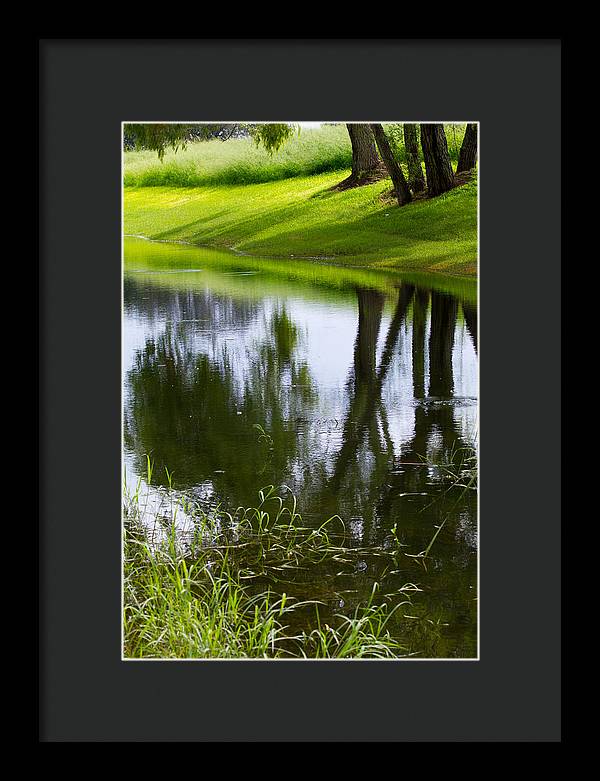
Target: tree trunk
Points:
(416, 180)
(467, 157)
(366, 165)
(364, 154)
(385, 150)
(437, 160)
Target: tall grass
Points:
(176, 608)
(181, 609)
(240, 161)
(198, 592)
(459, 465)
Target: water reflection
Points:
(362, 391)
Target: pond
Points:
(352, 390)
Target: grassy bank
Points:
(314, 281)
(235, 195)
(303, 217)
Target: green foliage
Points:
(272, 136)
(454, 136)
(157, 136)
(395, 136)
(160, 137)
(224, 132)
(240, 161)
(191, 594)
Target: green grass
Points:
(314, 281)
(176, 609)
(234, 195)
(193, 595)
(303, 217)
(240, 161)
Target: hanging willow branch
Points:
(272, 136)
(160, 137)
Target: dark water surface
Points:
(365, 384)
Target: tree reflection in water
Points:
(358, 437)
(194, 396)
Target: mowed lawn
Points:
(303, 217)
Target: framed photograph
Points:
(291, 336)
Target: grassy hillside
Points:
(302, 217)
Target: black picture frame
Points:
(87, 87)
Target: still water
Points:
(353, 390)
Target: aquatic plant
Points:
(207, 583)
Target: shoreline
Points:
(301, 219)
(321, 260)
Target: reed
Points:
(194, 583)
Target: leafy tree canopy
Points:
(272, 136)
(156, 136)
(160, 137)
